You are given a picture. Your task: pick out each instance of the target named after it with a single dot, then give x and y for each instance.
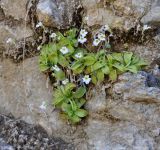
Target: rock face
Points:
(122, 14)
(14, 28)
(123, 117)
(58, 14)
(153, 16)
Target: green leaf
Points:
(75, 119)
(70, 86)
(133, 69)
(118, 57)
(100, 76)
(96, 66)
(57, 101)
(89, 60)
(59, 75)
(76, 65)
(94, 79)
(63, 61)
(110, 58)
(120, 67)
(81, 113)
(127, 57)
(80, 92)
(113, 75)
(43, 67)
(80, 102)
(105, 69)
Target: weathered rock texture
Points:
(122, 116)
(58, 14)
(126, 116)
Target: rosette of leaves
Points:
(51, 55)
(96, 66)
(126, 61)
(70, 101)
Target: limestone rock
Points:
(14, 8)
(153, 16)
(58, 14)
(122, 14)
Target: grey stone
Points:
(153, 16)
(58, 14)
(14, 8)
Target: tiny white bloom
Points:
(43, 106)
(64, 82)
(53, 35)
(106, 27)
(101, 37)
(82, 40)
(64, 50)
(56, 68)
(146, 27)
(83, 33)
(39, 47)
(40, 37)
(96, 42)
(78, 55)
(86, 18)
(86, 79)
(39, 24)
(9, 40)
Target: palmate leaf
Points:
(80, 92)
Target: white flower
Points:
(146, 27)
(86, 79)
(43, 106)
(105, 28)
(9, 40)
(101, 37)
(64, 50)
(39, 24)
(86, 18)
(78, 55)
(82, 40)
(83, 33)
(56, 68)
(96, 42)
(64, 82)
(53, 35)
(39, 47)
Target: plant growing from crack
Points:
(72, 65)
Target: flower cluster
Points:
(82, 37)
